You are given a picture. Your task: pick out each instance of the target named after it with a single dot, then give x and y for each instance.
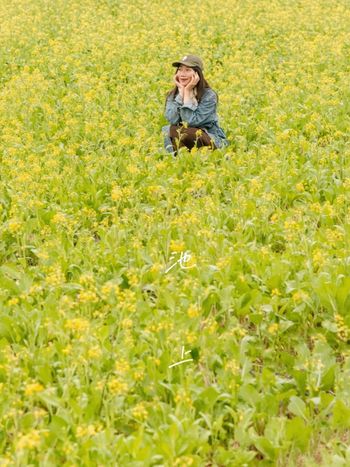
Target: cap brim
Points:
(190, 64)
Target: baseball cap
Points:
(190, 60)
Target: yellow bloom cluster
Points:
(193, 311)
(140, 411)
(88, 430)
(343, 330)
(117, 386)
(93, 213)
(30, 440)
(33, 388)
(77, 325)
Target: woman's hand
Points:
(188, 90)
(193, 83)
(180, 87)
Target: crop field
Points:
(160, 311)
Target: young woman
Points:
(190, 109)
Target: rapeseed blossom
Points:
(115, 256)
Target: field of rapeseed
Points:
(174, 312)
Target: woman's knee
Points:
(174, 131)
(190, 136)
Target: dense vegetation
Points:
(174, 312)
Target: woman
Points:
(190, 109)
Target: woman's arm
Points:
(198, 114)
(172, 108)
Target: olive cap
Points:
(190, 60)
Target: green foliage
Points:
(174, 312)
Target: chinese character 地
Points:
(185, 257)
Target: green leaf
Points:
(195, 354)
(341, 415)
(58, 425)
(343, 294)
(209, 396)
(10, 270)
(298, 432)
(27, 421)
(300, 379)
(249, 394)
(274, 430)
(265, 447)
(244, 300)
(328, 378)
(9, 329)
(298, 407)
(44, 373)
(5, 327)
(330, 326)
(49, 400)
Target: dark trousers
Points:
(189, 137)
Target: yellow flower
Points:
(116, 193)
(13, 301)
(133, 169)
(14, 225)
(29, 441)
(33, 388)
(126, 323)
(156, 267)
(122, 366)
(77, 324)
(117, 386)
(275, 292)
(39, 413)
(315, 207)
(177, 246)
(318, 258)
(138, 373)
(233, 367)
(87, 430)
(273, 328)
(183, 397)
(67, 350)
(193, 311)
(94, 352)
(133, 278)
(184, 461)
(139, 411)
(300, 296)
(343, 330)
(87, 280)
(59, 218)
(191, 337)
(55, 277)
(87, 296)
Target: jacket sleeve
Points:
(172, 107)
(198, 114)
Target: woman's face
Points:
(184, 74)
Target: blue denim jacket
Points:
(199, 115)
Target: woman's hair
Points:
(201, 85)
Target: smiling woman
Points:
(190, 109)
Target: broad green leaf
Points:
(298, 407)
(341, 415)
(265, 446)
(249, 394)
(298, 432)
(209, 396)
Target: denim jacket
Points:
(199, 115)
